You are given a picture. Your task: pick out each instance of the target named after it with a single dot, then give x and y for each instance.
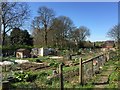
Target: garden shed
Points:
(43, 51)
(22, 53)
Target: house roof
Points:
(21, 50)
(109, 42)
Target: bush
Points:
(38, 60)
(43, 74)
(54, 64)
(22, 76)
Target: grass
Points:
(73, 68)
(42, 75)
(23, 85)
(114, 76)
(44, 83)
(113, 80)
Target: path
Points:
(103, 77)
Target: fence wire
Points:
(92, 67)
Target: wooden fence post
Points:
(92, 68)
(80, 72)
(104, 56)
(5, 68)
(61, 77)
(108, 56)
(5, 85)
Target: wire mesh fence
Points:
(92, 66)
(88, 68)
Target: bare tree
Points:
(84, 33)
(43, 21)
(67, 25)
(114, 33)
(38, 37)
(80, 34)
(62, 27)
(13, 15)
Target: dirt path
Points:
(103, 78)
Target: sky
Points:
(99, 17)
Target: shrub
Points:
(38, 60)
(22, 76)
(43, 74)
(54, 64)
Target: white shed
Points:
(42, 51)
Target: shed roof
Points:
(21, 50)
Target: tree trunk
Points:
(3, 36)
(46, 38)
(45, 26)
(118, 44)
(61, 77)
